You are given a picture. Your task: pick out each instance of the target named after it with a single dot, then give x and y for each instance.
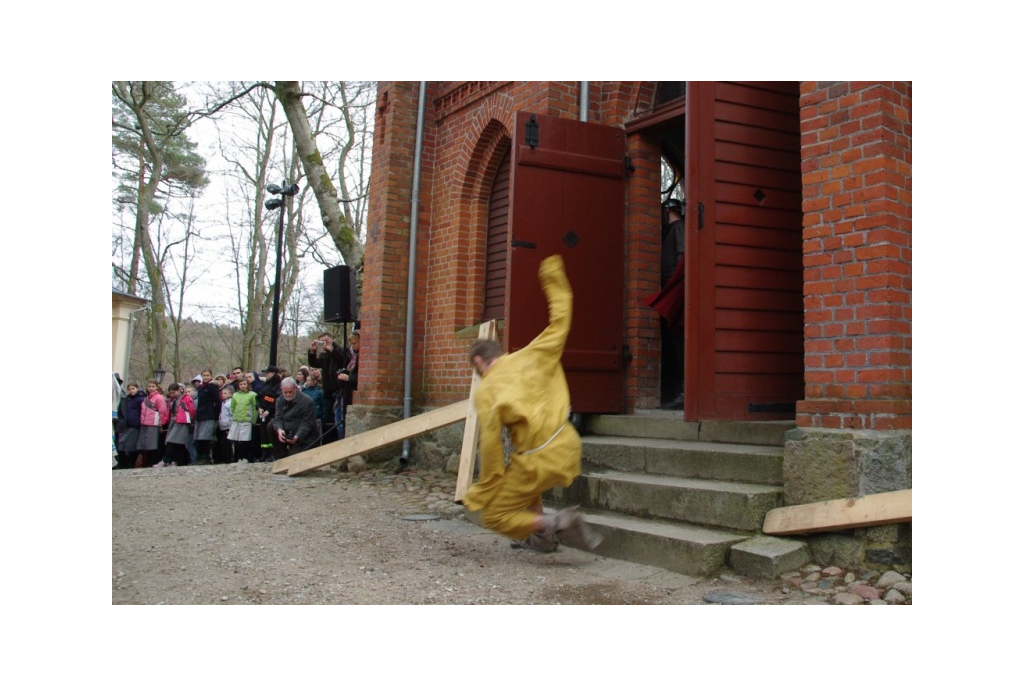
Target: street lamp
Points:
(278, 203)
(158, 375)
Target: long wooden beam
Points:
(838, 514)
(341, 450)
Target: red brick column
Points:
(386, 258)
(856, 164)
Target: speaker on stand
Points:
(339, 294)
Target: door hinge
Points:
(523, 243)
(629, 164)
(532, 131)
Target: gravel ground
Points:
(240, 535)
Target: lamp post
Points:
(158, 374)
(277, 203)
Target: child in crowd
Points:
(223, 454)
(243, 417)
(182, 411)
(153, 416)
(129, 410)
(208, 405)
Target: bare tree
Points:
(149, 123)
(289, 94)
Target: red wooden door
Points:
(568, 197)
(744, 315)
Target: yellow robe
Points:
(527, 392)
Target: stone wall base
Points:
(436, 450)
(826, 464)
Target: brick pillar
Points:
(386, 259)
(856, 164)
(853, 432)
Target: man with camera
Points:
(294, 427)
(331, 359)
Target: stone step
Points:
(685, 458)
(672, 426)
(677, 547)
(722, 504)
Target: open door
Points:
(568, 197)
(744, 312)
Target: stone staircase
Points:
(688, 497)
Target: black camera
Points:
(289, 435)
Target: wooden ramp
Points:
(838, 514)
(334, 452)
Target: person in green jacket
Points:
(243, 417)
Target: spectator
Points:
(236, 375)
(208, 405)
(294, 426)
(243, 419)
(223, 455)
(330, 359)
(129, 411)
(182, 412)
(267, 402)
(348, 382)
(312, 389)
(152, 419)
(192, 391)
(255, 382)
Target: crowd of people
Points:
(247, 416)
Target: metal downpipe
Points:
(584, 100)
(410, 305)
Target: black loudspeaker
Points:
(339, 294)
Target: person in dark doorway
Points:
(330, 358)
(294, 427)
(669, 301)
(527, 444)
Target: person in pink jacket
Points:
(182, 413)
(154, 416)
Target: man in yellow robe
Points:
(525, 396)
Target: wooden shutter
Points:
(744, 269)
(568, 197)
(497, 243)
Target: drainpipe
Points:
(410, 308)
(584, 100)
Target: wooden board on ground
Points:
(360, 443)
(467, 461)
(837, 514)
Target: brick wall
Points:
(856, 164)
(468, 127)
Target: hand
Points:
(312, 346)
(280, 436)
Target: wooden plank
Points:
(334, 452)
(837, 514)
(471, 435)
